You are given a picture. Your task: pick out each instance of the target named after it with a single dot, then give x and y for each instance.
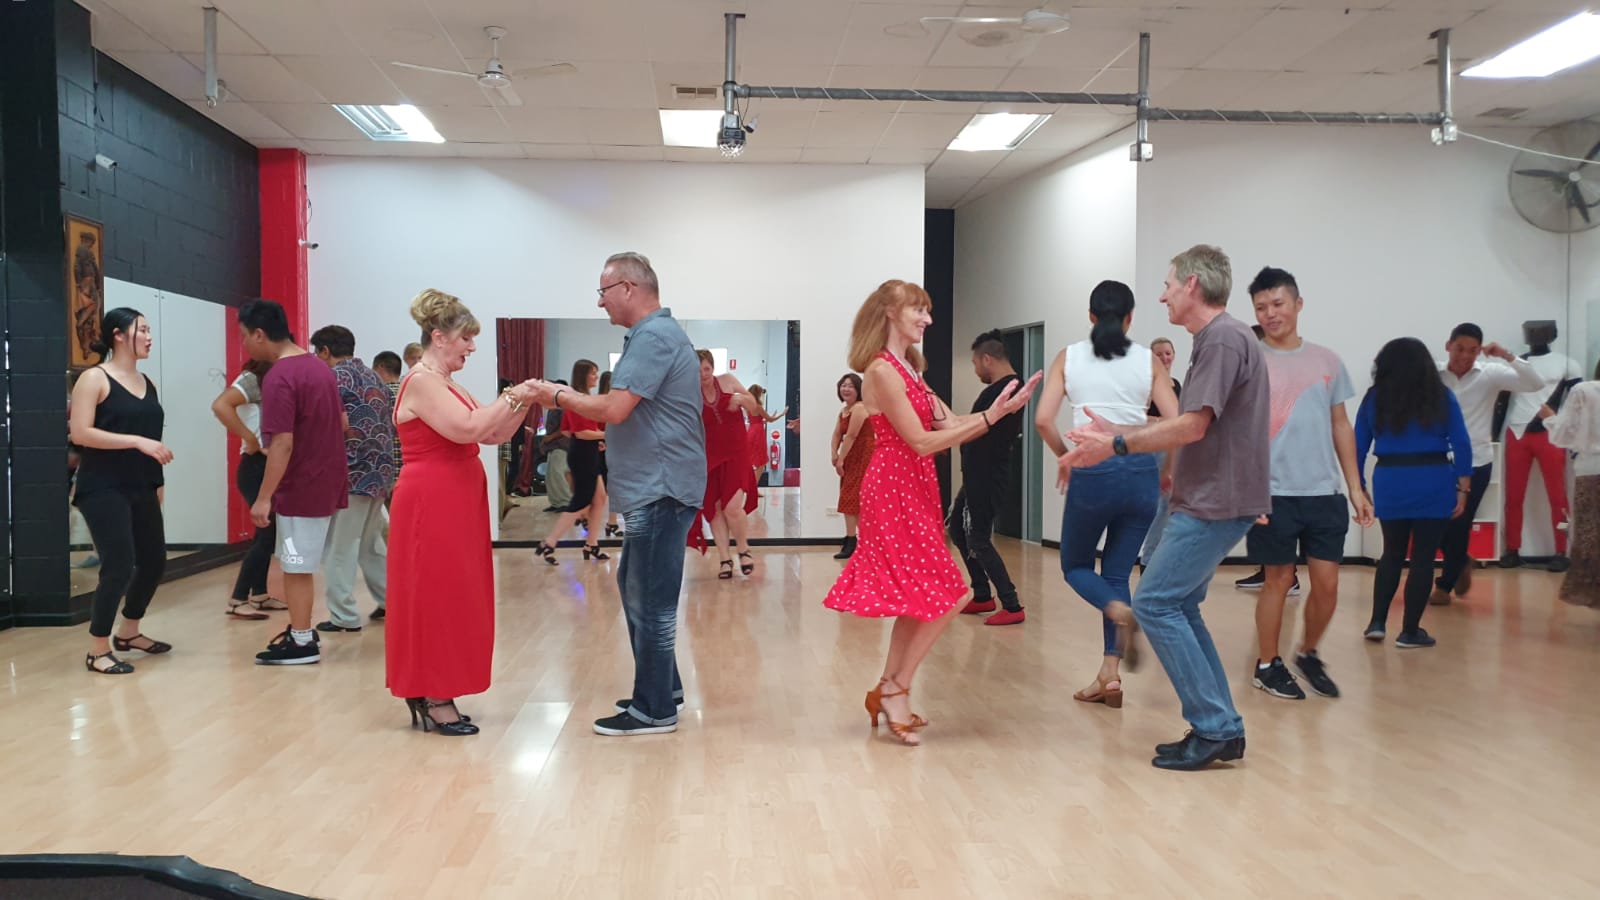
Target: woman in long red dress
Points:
(730, 481)
(852, 450)
(902, 566)
(439, 641)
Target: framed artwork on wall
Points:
(86, 290)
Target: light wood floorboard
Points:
(1468, 770)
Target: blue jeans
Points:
(1167, 606)
(1116, 498)
(650, 577)
(1153, 536)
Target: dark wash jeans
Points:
(650, 577)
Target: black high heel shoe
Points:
(612, 530)
(747, 563)
(422, 711)
(547, 553)
(415, 704)
(593, 551)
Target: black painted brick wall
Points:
(181, 213)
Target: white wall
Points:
(188, 365)
(749, 343)
(1033, 251)
(1387, 234)
(528, 238)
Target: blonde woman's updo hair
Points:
(436, 310)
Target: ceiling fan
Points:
(991, 31)
(494, 75)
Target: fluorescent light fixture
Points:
(997, 131)
(391, 123)
(1571, 43)
(690, 127)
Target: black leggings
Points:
(132, 545)
(1419, 537)
(252, 580)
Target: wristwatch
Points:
(1119, 445)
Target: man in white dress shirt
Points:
(1477, 384)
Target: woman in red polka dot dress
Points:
(902, 567)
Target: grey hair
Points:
(1213, 270)
(634, 267)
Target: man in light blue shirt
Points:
(656, 460)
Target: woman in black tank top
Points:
(116, 421)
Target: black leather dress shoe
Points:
(1200, 752)
(1174, 749)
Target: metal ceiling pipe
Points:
(1447, 132)
(213, 92)
(730, 77)
(902, 94)
(1142, 150)
(1261, 117)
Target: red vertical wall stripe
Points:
(283, 278)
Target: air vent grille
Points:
(692, 92)
(1504, 112)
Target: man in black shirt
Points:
(985, 462)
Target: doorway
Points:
(1021, 512)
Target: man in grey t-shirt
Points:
(656, 461)
(1219, 486)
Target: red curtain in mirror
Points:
(520, 344)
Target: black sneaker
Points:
(1252, 582)
(283, 651)
(622, 725)
(1510, 559)
(1294, 587)
(1276, 680)
(335, 627)
(1374, 633)
(1412, 640)
(1558, 564)
(1310, 665)
(623, 704)
(378, 614)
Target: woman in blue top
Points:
(1421, 480)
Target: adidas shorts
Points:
(300, 543)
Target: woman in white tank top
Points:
(1116, 499)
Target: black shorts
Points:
(1314, 525)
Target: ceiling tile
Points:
(535, 125)
(865, 42)
(243, 120)
(922, 130)
(629, 153)
(1281, 37)
(181, 26)
(597, 30)
(904, 156)
(430, 89)
(112, 32)
(469, 123)
(1385, 40)
(775, 155)
(844, 155)
(1064, 133)
(169, 72)
(965, 164)
(486, 150)
(612, 85)
(312, 121)
(1021, 162)
(402, 30)
(301, 27)
(789, 33)
(344, 79)
(259, 79)
(780, 126)
(692, 155)
(558, 151)
(634, 127)
(841, 128)
(945, 193)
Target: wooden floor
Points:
(1469, 770)
(777, 516)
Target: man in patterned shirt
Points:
(356, 534)
(386, 366)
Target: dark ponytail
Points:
(120, 319)
(1110, 303)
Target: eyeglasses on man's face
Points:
(601, 291)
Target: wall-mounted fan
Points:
(494, 75)
(991, 31)
(1560, 195)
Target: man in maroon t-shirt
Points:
(302, 429)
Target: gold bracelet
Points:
(510, 400)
